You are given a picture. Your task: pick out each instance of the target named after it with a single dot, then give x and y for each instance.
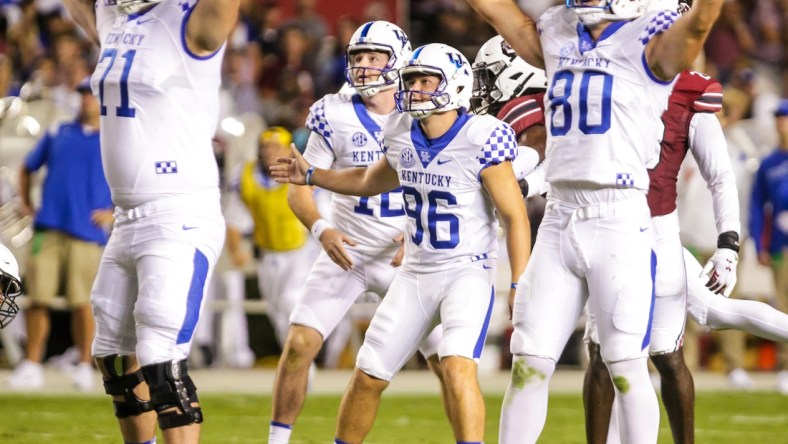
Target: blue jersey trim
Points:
(183, 38)
(433, 147)
(587, 43)
(477, 350)
(363, 116)
(647, 337)
(194, 298)
(651, 74)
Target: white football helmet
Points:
(680, 6)
(10, 286)
(611, 10)
(130, 6)
(379, 36)
(454, 90)
(500, 75)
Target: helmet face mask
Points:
(453, 90)
(377, 36)
(500, 75)
(609, 10)
(10, 286)
(130, 6)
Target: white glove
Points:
(721, 271)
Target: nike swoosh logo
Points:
(142, 20)
(643, 229)
(441, 162)
(186, 228)
(486, 267)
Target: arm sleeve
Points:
(710, 151)
(38, 157)
(525, 162)
(758, 200)
(536, 180)
(318, 153)
(500, 146)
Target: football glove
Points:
(721, 271)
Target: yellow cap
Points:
(276, 134)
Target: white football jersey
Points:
(451, 218)
(159, 104)
(603, 105)
(345, 135)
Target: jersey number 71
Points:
(124, 110)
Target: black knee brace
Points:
(171, 386)
(121, 384)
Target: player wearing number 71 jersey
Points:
(455, 173)
(157, 77)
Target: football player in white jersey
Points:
(10, 286)
(157, 78)
(610, 66)
(346, 133)
(455, 176)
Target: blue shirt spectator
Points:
(770, 193)
(75, 185)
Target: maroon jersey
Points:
(693, 93)
(523, 112)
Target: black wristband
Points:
(523, 187)
(729, 240)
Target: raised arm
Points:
(376, 179)
(500, 183)
(209, 25)
(674, 50)
(84, 14)
(516, 27)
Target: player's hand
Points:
(764, 258)
(290, 169)
(333, 240)
(512, 292)
(102, 218)
(25, 209)
(240, 257)
(397, 260)
(721, 271)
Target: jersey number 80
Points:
(595, 91)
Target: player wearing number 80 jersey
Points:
(601, 99)
(609, 66)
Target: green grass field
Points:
(722, 418)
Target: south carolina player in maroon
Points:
(505, 86)
(690, 126)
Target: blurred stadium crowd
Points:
(285, 55)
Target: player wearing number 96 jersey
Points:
(362, 240)
(157, 78)
(455, 174)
